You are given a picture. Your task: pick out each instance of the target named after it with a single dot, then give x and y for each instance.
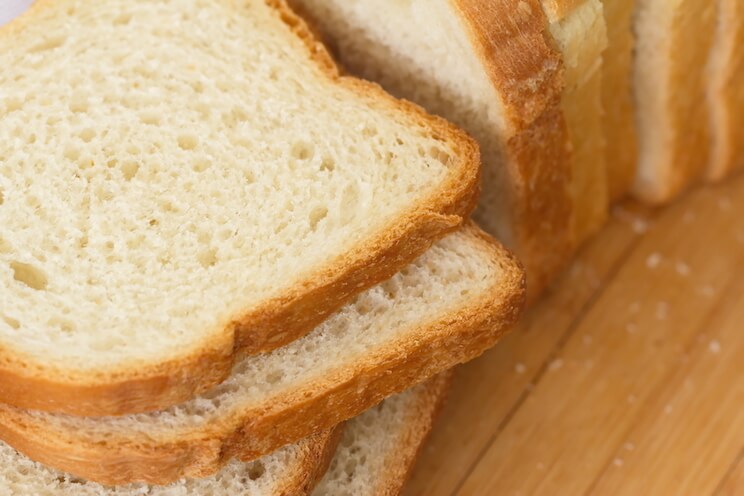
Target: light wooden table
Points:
(628, 379)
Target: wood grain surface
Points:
(627, 379)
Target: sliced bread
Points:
(725, 90)
(621, 146)
(578, 28)
(673, 42)
(182, 182)
(450, 305)
(490, 67)
(376, 450)
(379, 448)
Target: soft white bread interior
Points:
(447, 307)
(182, 181)
(578, 27)
(725, 90)
(490, 67)
(673, 43)
(621, 146)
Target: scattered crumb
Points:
(689, 217)
(682, 269)
(631, 328)
(724, 203)
(640, 226)
(662, 310)
(668, 409)
(629, 446)
(714, 347)
(586, 339)
(653, 260)
(632, 398)
(555, 364)
(618, 462)
(540, 466)
(707, 291)
(635, 307)
(520, 368)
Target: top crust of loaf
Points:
(125, 388)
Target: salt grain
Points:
(632, 398)
(668, 409)
(634, 307)
(682, 269)
(520, 368)
(555, 364)
(724, 203)
(586, 339)
(707, 291)
(629, 446)
(653, 260)
(714, 347)
(618, 462)
(688, 217)
(631, 328)
(662, 310)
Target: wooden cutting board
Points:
(628, 379)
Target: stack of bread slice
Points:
(216, 252)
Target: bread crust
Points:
(138, 388)
(402, 460)
(425, 351)
(517, 51)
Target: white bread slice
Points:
(379, 448)
(490, 67)
(621, 142)
(447, 307)
(186, 181)
(376, 451)
(579, 30)
(725, 90)
(673, 43)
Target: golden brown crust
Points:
(148, 387)
(432, 348)
(317, 452)
(727, 98)
(400, 462)
(518, 53)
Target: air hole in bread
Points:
(328, 164)
(48, 44)
(208, 258)
(87, 135)
(2, 199)
(129, 169)
(64, 326)
(13, 104)
(256, 470)
(316, 215)
(150, 117)
(188, 142)
(11, 321)
(350, 467)
(303, 150)
(122, 19)
(275, 376)
(27, 274)
(72, 153)
(200, 165)
(79, 104)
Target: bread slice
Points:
(490, 67)
(377, 449)
(449, 306)
(579, 30)
(187, 181)
(725, 93)
(621, 142)
(673, 42)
